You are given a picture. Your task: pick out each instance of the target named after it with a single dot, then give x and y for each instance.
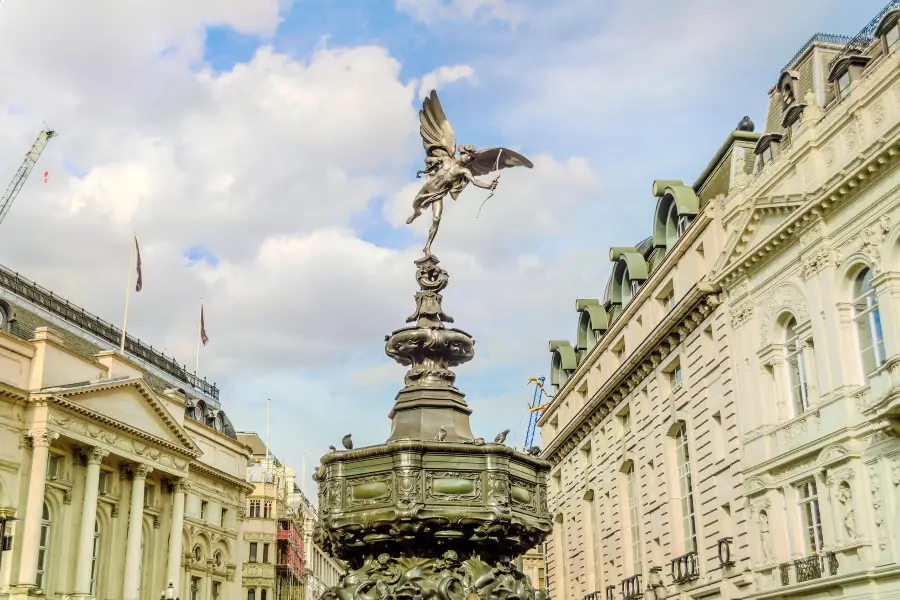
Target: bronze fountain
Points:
(434, 513)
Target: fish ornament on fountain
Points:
(434, 513)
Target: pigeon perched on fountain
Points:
(442, 434)
(534, 451)
(347, 442)
(501, 437)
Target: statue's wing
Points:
(437, 135)
(485, 161)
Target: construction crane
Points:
(15, 186)
(535, 408)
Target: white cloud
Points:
(442, 76)
(433, 11)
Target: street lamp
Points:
(5, 540)
(169, 594)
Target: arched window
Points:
(686, 489)
(793, 355)
(868, 322)
(251, 594)
(43, 547)
(95, 556)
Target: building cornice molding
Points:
(214, 473)
(79, 410)
(13, 393)
(685, 243)
(699, 303)
(190, 448)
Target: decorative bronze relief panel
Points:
(373, 489)
(453, 486)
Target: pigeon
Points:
(442, 434)
(478, 441)
(501, 437)
(347, 442)
(331, 449)
(534, 451)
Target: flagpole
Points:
(199, 340)
(268, 410)
(127, 298)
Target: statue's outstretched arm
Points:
(483, 185)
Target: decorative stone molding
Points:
(115, 511)
(786, 297)
(42, 438)
(67, 496)
(95, 456)
(868, 242)
(140, 470)
(877, 505)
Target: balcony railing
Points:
(610, 592)
(631, 587)
(96, 326)
(724, 552)
(809, 568)
(864, 38)
(598, 595)
(685, 568)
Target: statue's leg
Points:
(417, 208)
(437, 208)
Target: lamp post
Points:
(5, 540)
(169, 594)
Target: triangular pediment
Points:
(767, 220)
(132, 405)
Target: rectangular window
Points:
(215, 590)
(265, 553)
(223, 517)
(844, 82)
(796, 370)
(633, 520)
(686, 489)
(267, 510)
(892, 36)
(254, 508)
(625, 421)
(253, 549)
(203, 506)
(810, 517)
(675, 378)
(103, 484)
(767, 155)
(149, 495)
(195, 588)
(54, 466)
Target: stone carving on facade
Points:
(877, 505)
(114, 512)
(877, 114)
(829, 155)
(868, 241)
(785, 297)
(42, 438)
(765, 536)
(67, 496)
(793, 468)
(848, 515)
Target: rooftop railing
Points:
(828, 38)
(861, 41)
(96, 326)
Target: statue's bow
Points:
(497, 179)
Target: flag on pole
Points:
(140, 282)
(203, 337)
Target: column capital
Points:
(179, 485)
(140, 470)
(94, 456)
(42, 437)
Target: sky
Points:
(264, 153)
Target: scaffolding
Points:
(536, 408)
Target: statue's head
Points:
(467, 152)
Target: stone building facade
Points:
(322, 569)
(724, 422)
(122, 472)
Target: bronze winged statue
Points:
(448, 173)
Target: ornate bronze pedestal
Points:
(432, 512)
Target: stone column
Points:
(34, 506)
(135, 525)
(85, 554)
(173, 571)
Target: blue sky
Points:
(265, 153)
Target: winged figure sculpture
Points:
(449, 172)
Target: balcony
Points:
(809, 568)
(598, 595)
(631, 588)
(685, 568)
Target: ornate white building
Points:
(725, 422)
(118, 479)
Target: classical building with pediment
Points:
(726, 421)
(119, 473)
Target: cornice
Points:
(671, 258)
(845, 186)
(190, 449)
(699, 303)
(78, 409)
(214, 473)
(13, 393)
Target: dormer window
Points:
(792, 118)
(676, 208)
(844, 82)
(767, 155)
(889, 30)
(795, 126)
(767, 148)
(684, 221)
(787, 95)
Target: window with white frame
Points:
(810, 517)
(868, 322)
(793, 355)
(103, 482)
(844, 82)
(54, 466)
(675, 377)
(43, 547)
(686, 490)
(892, 36)
(254, 508)
(95, 556)
(634, 530)
(267, 509)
